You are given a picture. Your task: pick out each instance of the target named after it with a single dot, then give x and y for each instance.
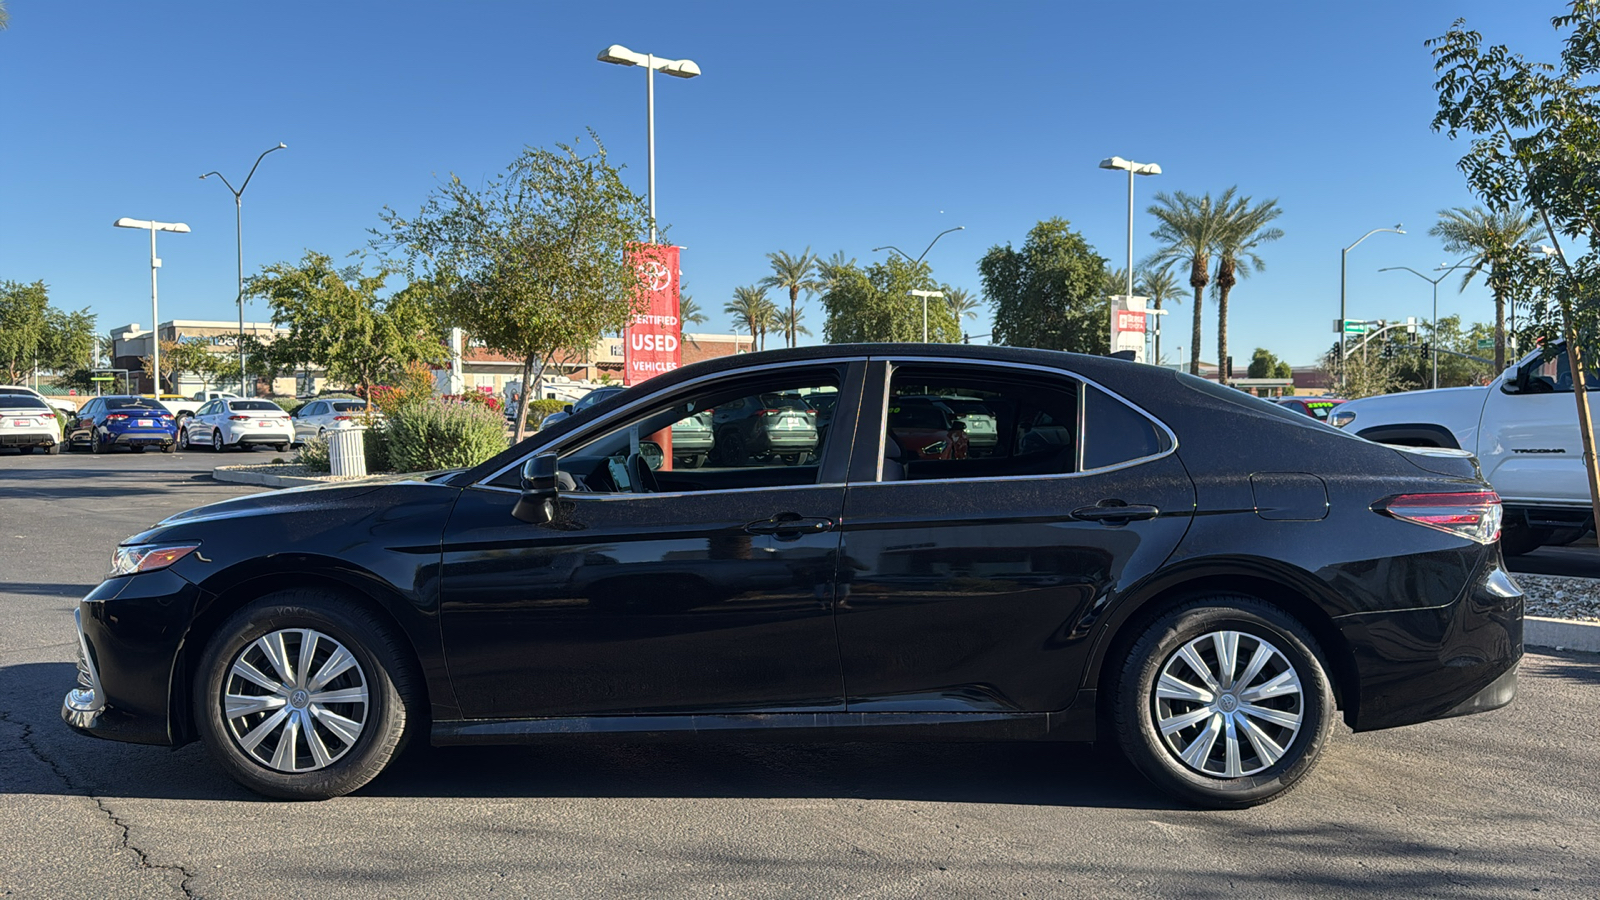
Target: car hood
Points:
(310, 498)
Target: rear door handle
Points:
(789, 525)
(1115, 513)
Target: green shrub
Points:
(375, 444)
(314, 455)
(538, 409)
(443, 435)
(288, 404)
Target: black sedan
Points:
(1198, 575)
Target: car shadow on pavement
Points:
(44, 589)
(1571, 665)
(1048, 774)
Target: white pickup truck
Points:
(181, 408)
(1523, 427)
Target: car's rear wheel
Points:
(282, 448)
(1224, 702)
(304, 695)
(136, 448)
(216, 440)
(94, 443)
(183, 436)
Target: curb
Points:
(1562, 634)
(261, 478)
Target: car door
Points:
(201, 423)
(973, 585)
(82, 427)
(1529, 442)
(704, 590)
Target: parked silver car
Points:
(239, 424)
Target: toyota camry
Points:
(1206, 579)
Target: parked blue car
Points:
(132, 422)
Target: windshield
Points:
(254, 406)
(350, 406)
(21, 401)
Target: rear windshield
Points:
(254, 406)
(133, 403)
(349, 406)
(21, 401)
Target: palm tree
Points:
(1243, 232)
(794, 274)
(767, 318)
(1188, 228)
(961, 302)
(829, 270)
(688, 311)
(790, 324)
(1113, 282)
(751, 308)
(1495, 239)
(1161, 286)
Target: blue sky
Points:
(842, 126)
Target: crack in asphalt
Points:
(127, 844)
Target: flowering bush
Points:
(477, 398)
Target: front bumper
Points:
(130, 636)
(1418, 665)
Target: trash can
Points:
(347, 453)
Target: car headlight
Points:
(1339, 418)
(148, 557)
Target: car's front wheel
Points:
(1224, 702)
(216, 440)
(304, 695)
(183, 436)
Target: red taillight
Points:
(342, 418)
(115, 417)
(238, 418)
(1474, 515)
(166, 415)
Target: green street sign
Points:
(1355, 327)
(1485, 343)
(102, 378)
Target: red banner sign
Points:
(650, 342)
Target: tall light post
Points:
(917, 262)
(238, 225)
(681, 68)
(155, 309)
(1134, 168)
(1397, 229)
(925, 295)
(1435, 283)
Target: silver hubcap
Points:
(295, 700)
(1228, 704)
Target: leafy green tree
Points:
(337, 320)
(793, 274)
(1266, 364)
(831, 269)
(875, 304)
(534, 262)
(1494, 238)
(1162, 287)
(1244, 230)
(1535, 131)
(1050, 293)
(68, 339)
(1188, 231)
(1365, 374)
(24, 312)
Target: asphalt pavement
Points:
(1495, 805)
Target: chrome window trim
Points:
(629, 495)
(582, 434)
(1083, 382)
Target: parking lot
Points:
(1501, 804)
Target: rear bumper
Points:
(23, 438)
(259, 436)
(1422, 664)
(139, 438)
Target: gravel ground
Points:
(1560, 597)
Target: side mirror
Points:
(537, 505)
(567, 409)
(652, 453)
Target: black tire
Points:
(731, 446)
(136, 448)
(168, 447)
(1260, 778)
(94, 443)
(182, 440)
(382, 667)
(217, 446)
(282, 448)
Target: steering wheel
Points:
(642, 478)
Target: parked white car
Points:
(27, 422)
(319, 417)
(61, 403)
(234, 423)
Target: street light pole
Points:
(238, 230)
(1397, 229)
(1134, 168)
(925, 295)
(682, 68)
(1435, 283)
(155, 309)
(918, 262)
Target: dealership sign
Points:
(651, 340)
(1128, 325)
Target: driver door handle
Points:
(790, 525)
